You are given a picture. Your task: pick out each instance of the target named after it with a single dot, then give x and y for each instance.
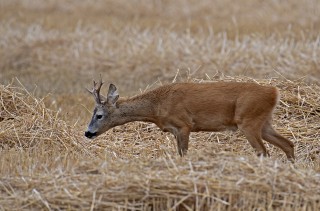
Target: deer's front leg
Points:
(182, 136)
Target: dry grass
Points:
(224, 181)
(59, 46)
(46, 164)
(126, 42)
(27, 123)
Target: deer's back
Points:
(212, 106)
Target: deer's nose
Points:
(88, 134)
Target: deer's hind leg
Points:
(271, 136)
(251, 128)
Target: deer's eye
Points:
(99, 116)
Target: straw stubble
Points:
(47, 164)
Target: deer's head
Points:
(105, 113)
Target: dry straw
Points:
(27, 123)
(46, 164)
(147, 40)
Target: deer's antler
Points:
(96, 90)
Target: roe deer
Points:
(181, 108)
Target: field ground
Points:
(51, 50)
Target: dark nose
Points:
(88, 134)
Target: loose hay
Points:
(223, 181)
(46, 164)
(136, 166)
(25, 122)
(135, 42)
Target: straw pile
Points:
(126, 42)
(25, 122)
(223, 181)
(136, 166)
(60, 46)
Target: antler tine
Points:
(96, 90)
(99, 85)
(91, 92)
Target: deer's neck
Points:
(136, 109)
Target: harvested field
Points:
(51, 50)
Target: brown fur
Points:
(182, 108)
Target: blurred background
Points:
(58, 47)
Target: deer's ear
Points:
(113, 95)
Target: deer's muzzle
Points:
(88, 134)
